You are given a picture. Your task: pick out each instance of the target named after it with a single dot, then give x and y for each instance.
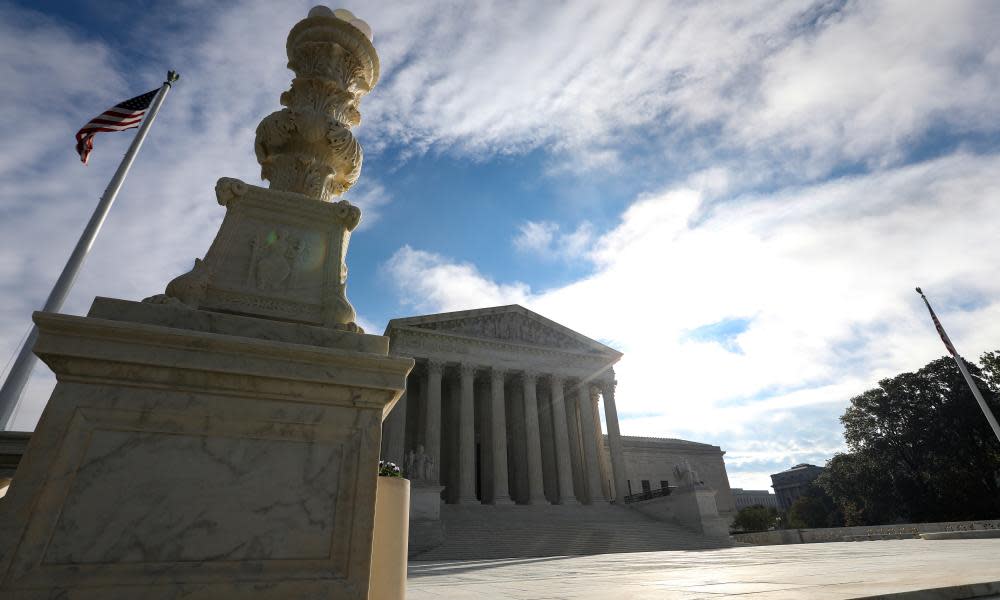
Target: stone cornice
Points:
(90, 349)
(650, 443)
(593, 346)
(465, 340)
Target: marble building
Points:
(505, 405)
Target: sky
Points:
(738, 196)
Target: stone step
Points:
(488, 532)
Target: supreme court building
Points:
(505, 404)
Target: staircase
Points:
(475, 532)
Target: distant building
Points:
(789, 485)
(745, 498)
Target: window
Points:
(645, 485)
(664, 484)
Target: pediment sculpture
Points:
(510, 327)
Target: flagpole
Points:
(961, 367)
(13, 386)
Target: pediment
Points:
(513, 323)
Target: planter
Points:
(389, 543)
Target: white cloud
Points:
(546, 240)
(824, 273)
(535, 237)
(433, 283)
(804, 85)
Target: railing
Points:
(647, 495)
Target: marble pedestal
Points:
(695, 507)
(198, 455)
(426, 530)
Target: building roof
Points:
(634, 441)
(800, 467)
(521, 326)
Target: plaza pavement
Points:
(879, 569)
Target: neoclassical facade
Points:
(504, 403)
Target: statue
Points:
(419, 466)
(686, 475)
(429, 471)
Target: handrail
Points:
(647, 495)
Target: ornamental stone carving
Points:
(509, 327)
(307, 147)
(281, 252)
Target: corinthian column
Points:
(433, 433)
(536, 487)
(498, 437)
(467, 438)
(615, 439)
(563, 460)
(591, 462)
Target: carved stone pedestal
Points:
(426, 530)
(199, 455)
(277, 255)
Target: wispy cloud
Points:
(546, 239)
(803, 86)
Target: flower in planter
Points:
(388, 469)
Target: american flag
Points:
(940, 329)
(122, 116)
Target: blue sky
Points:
(738, 196)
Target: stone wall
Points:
(654, 459)
(848, 534)
(692, 507)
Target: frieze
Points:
(509, 327)
(424, 342)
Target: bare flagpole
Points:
(13, 386)
(961, 367)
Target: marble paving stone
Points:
(896, 569)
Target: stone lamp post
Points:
(278, 254)
(221, 440)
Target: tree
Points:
(814, 508)
(755, 518)
(862, 492)
(920, 449)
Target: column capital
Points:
(498, 371)
(557, 379)
(608, 385)
(467, 369)
(434, 366)
(530, 376)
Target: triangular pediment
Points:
(512, 323)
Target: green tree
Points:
(920, 449)
(862, 492)
(755, 518)
(814, 508)
(991, 369)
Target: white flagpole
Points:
(13, 386)
(961, 367)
